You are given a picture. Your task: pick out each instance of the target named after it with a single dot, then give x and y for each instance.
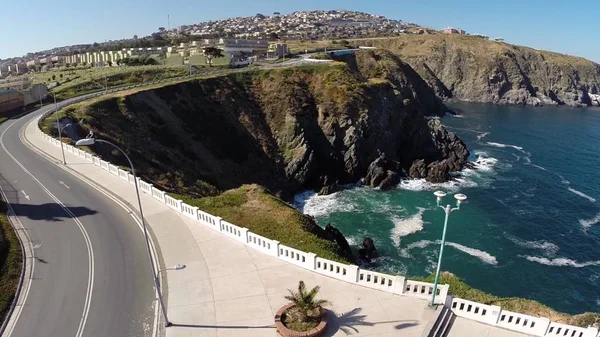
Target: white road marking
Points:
(65, 185)
(19, 308)
(90, 285)
(25, 194)
(37, 246)
(127, 208)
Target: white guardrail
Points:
(488, 314)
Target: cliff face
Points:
(473, 69)
(287, 129)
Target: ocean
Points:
(530, 227)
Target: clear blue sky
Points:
(557, 25)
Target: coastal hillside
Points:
(470, 68)
(288, 130)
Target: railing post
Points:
(218, 223)
(399, 285)
(244, 235)
(352, 275)
(495, 315)
(543, 325)
(311, 261)
(591, 332)
(275, 248)
(196, 213)
(180, 206)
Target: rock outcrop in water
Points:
(469, 68)
(288, 129)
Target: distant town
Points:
(241, 39)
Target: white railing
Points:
(113, 169)
(123, 174)
(488, 314)
(526, 324)
(172, 202)
(189, 211)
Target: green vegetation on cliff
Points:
(10, 262)
(251, 206)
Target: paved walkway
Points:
(229, 289)
(463, 327)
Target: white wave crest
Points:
(456, 116)
(311, 203)
(545, 246)
(587, 223)
(560, 262)
(505, 145)
(538, 166)
(481, 136)
(480, 254)
(527, 160)
(424, 185)
(483, 256)
(581, 194)
(486, 164)
(404, 227)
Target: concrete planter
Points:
(283, 331)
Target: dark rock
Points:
(418, 169)
(329, 189)
(438, 172)
(334, 234)
(383, 173)
(368, 250)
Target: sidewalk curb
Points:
(123, 203)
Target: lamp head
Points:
(178, 267)
(460, 198)
(439, 195)
(85, 142)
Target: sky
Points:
(557, 25)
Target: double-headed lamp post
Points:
(91, 141)
(447, 209)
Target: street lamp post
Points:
(62, 149)
(90, 141)
(447, 210)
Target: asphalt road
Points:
(91, 275)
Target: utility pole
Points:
(168, 22)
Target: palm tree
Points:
(306, 303)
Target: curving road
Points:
(90, 274)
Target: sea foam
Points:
(480, 254)
(587, 223)
(310, 203)
(581, 194)
(404, 227)
(545, 246)
(560, 262)
(483, 135)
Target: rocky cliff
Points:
(470, 68)
(287, 129)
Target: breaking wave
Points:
(587, 223)
(481, 136)
(581, 194)
(545, 246)
(308, 202)
(404, 227)
(560, 262)
(505, 145)
(480, 254)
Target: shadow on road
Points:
(222, 326)
(351, 321)
(50, 212)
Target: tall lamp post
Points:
(447, 209)
(91, 141)
(62, 149)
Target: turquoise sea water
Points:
(531, 225)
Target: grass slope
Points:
(10, 262)
(251, 206)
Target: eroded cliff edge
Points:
(469, 68)
(287, 129)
